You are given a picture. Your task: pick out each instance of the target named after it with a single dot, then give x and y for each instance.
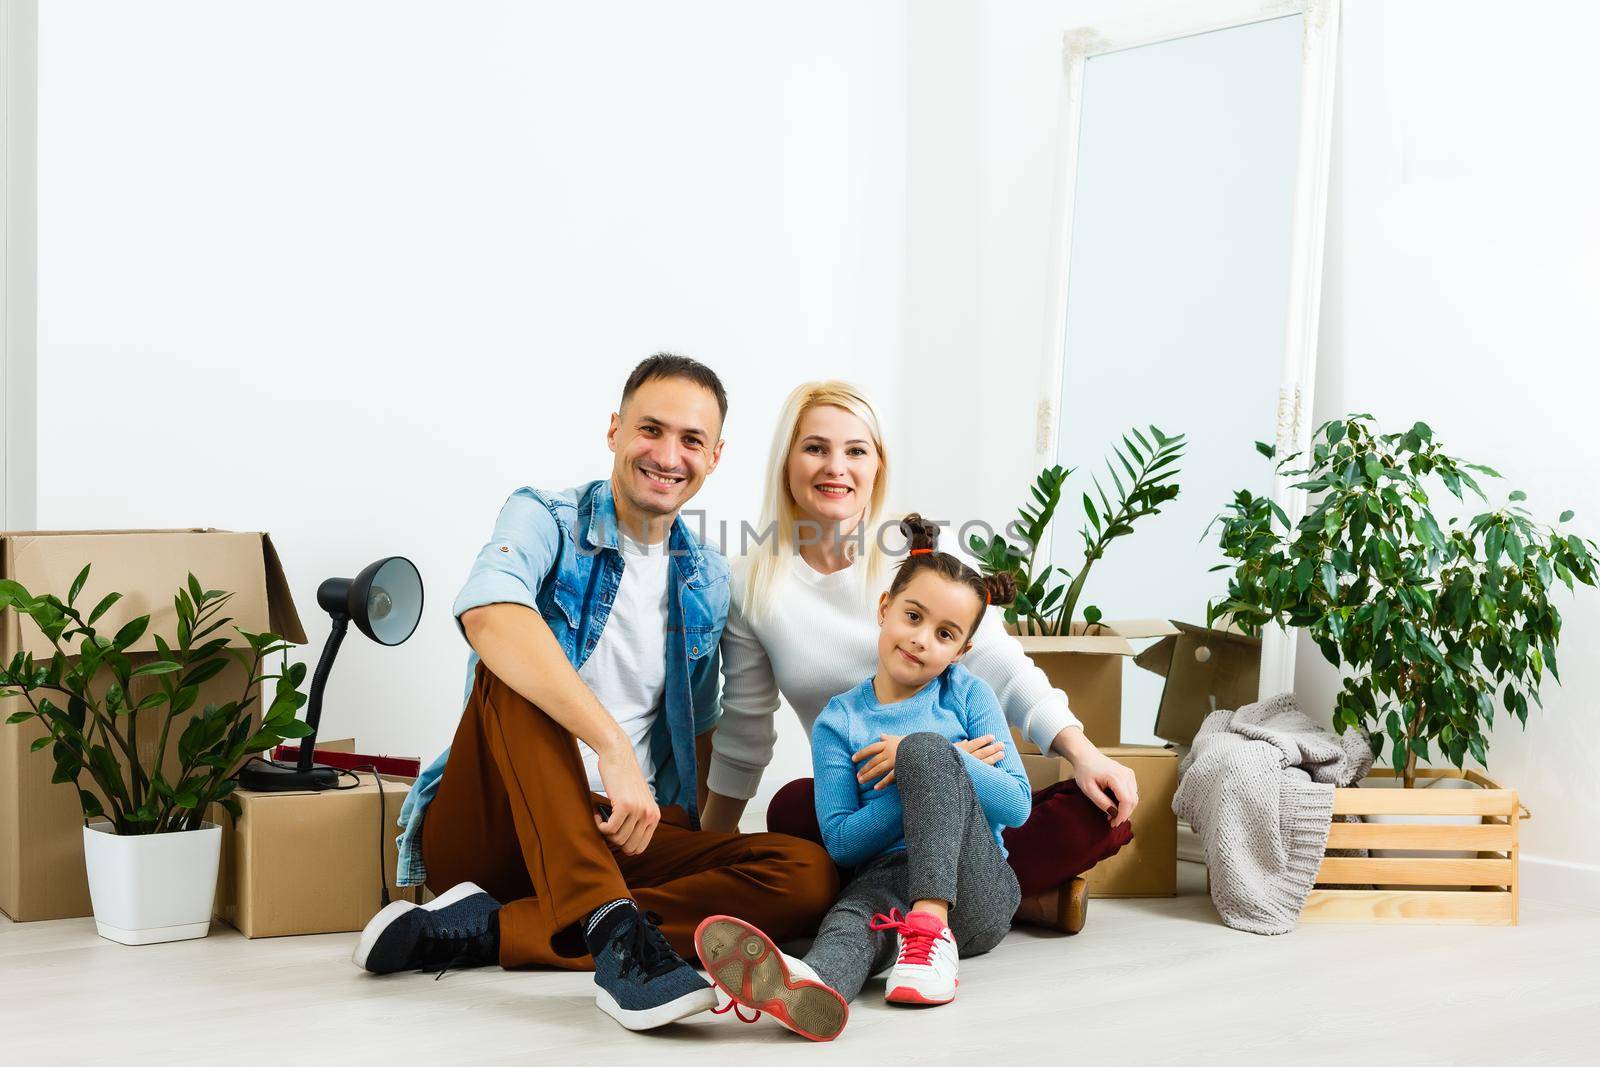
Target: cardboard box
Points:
(1148, 865)
(41, 824)
(307, 863)
(1087, 666)
(1206, 670)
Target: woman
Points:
(802, 626)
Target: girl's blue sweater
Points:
(859, 822)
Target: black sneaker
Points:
(643, 982)
(461, 928)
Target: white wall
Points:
(350, 273)
(1463, 259)
(353, 272)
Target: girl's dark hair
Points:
(923, 536)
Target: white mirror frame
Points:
(1318, 61)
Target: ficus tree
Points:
(84, 698)
(1439, 622)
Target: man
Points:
(569, 790)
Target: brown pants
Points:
(515, 815)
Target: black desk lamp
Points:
(385, 603)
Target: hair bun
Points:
(920, 532)
(1002, 588)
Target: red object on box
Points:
(400, 766)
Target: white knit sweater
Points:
(821, 639)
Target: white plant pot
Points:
(149, 888)
(1415, 820)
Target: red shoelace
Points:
(733, 1005)
(916, 944)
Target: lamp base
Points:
(274, 776)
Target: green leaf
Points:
(1266, 450)
(104, 606)
(1517, 494)
(1566, 516)
(77, 584)
(160, 666)
(130, 633)
(91, 804)
(205, 672)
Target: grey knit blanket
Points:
(1257, 786)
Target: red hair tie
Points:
(921, 551)
(987, 599)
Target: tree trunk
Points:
(1409, 775)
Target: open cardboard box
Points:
(1206, 671)
(42, 872)
(308, 862)
(1147, 866)
(1087, 666)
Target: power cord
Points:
(383, 881)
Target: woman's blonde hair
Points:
(772, 556)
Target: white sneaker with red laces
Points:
(926, 965)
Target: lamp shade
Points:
(385, 600)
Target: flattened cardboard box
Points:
(1087, 666)
(41, 837)
(1206, 671)
(1147, 866)
(307, 863)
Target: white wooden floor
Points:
(1146, 982)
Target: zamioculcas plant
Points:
(1436, 621)
(84, 700)
(1048, 604)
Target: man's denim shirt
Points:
(558, 554)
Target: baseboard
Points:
(1567, 885)
(1190, 847)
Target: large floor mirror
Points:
(1194, 162)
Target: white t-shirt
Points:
(627, 671)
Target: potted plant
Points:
(1082, 656)
(1437, 620)
(1047, 605)
(151, 856)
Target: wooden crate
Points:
(1479, 891)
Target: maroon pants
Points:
(1064, 836)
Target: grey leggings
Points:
(950, 855)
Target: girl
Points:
(901, 798)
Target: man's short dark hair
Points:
(667, 365)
